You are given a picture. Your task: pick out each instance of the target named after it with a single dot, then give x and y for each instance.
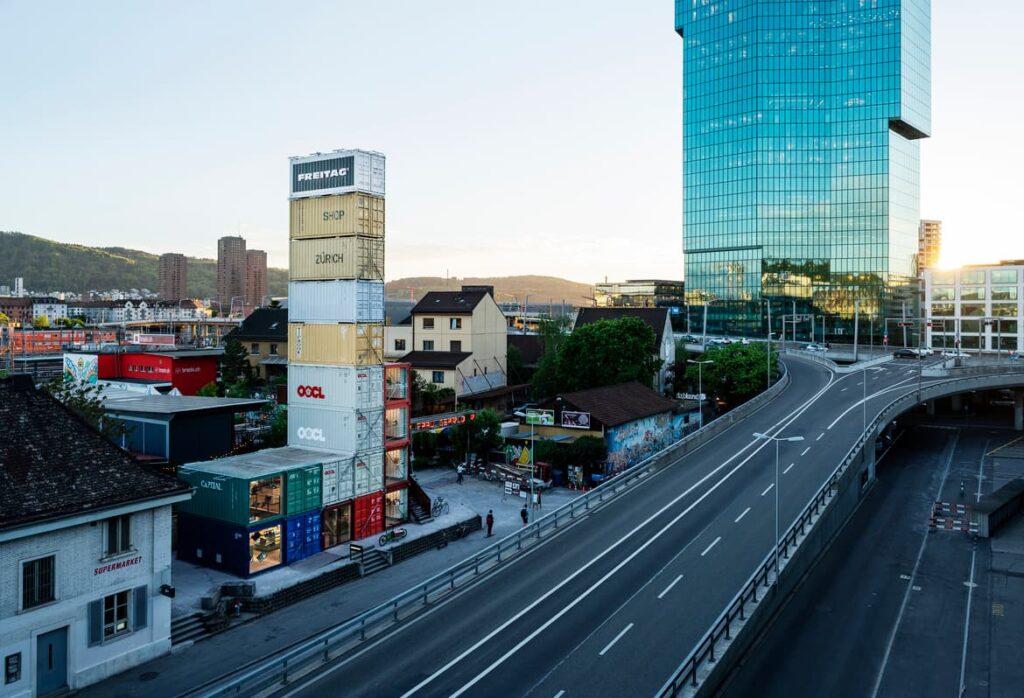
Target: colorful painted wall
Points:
(630, 443)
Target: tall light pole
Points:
(531, 421)
(768, 339)
(700, 388)
(777, 439)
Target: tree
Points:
(277, 435)
(678, 369)
(514, 364)
(234, 364)
(208, 390)
(4, 320)
(607, 352)
(40, 322)
(739, 372)
(552, 334)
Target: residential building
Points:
(52, 308)
(19, 287)
(255, 278)
(18, 310)
(173, 276)
(640, 293)
(929, 244)
(398, 339)
(801, 169)
(85, 549)
(657, 319)
(975, 308)
(265, 335)
(459, 340)
(186, 370)
(231, 272)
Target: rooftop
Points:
(53, 465)
(263, 324)
(655, 318)
(177, 404)
(613, 405)
(436, 359)
(451, 302)
(265, 462)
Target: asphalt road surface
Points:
(611, 605)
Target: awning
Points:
(274, 361)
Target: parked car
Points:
(720, 341)
(955, 354)
(927, 351)
(817, 348)
(905, 353)
(689, 339)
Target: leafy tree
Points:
(739, 372)
(4, 320)
(208, 390)
(514, 363)
(234, 363)
(552, 334)
(240, 389)
(678, 369)
(278, 433)
(607, 352)
(40, 322)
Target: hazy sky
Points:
(536, 136)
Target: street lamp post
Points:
(527, 417)
(700, 388)
(777, 439)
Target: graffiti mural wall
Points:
(81, 368)
(631, 443)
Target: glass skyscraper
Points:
(801, 167)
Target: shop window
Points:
(119, 538)
(1004, 293)
(396, 466)
(456, 346)
(115, 614)
(264, 498)
(455, 323)
(972, 293)
(428, 323)
(971, 310)
(1004, 310)
(939, 309)
(336, 527)
(265, 548)
(38, 582)
(437, 376)
(396, 507)
(254, 348)
(428, 345)
(972, 326)
(273, 350)
(399, 345)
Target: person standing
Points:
(459, 472)
(490, 522)
(525, 516)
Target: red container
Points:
(369, 516)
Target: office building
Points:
(640, 293)
(231, 272)
(255, 278)
(975, 308)
(173, 276)
(801, 139)
(929, 244)
(19, 287)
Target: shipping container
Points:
(348, 387)
(324, 259)
(330, 302)
(368, 472)
(338, 480)
(336, 172)
(303, 489)
(303, 536)
(337, 429)
(369, 516)
(396, 463)
(342, 214)
(336, 525)
(338, 344)
(239, 550)
(396, 506)
(252, 487)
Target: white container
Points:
(346, 387)
(349, 431)
(336, 172)
(330, 302)
(338, 482)
(368, 473)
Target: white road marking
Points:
(804, 452)
(788, 468)
(742, 515)
(713, 544)
(844, 390)
(669, 587)
(617, 638)
(768, 489)
(560, 693)
(861, 402)
(819, 436)
(967, 624)
(981, 470)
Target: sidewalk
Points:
(191, 665)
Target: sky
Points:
(527, 137)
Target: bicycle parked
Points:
(392, 535)
(439, 507)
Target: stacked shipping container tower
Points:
(348, 413)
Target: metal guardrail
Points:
(285, 666)
(735, 610)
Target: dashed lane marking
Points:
(669, 587)
(768, 489)
(742, 515)
(819, 436)
(804, 452)
(713, 544)
(616, 639)
(788, 468)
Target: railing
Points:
(735, 610)
(321, 648)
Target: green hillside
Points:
(56, 266)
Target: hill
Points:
(56, 266)
(540, 289)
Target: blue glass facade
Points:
(801, 128)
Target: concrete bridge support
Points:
(958, 403)
(930, 406)
(1018, 409)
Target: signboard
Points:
(544, 418)
(333, 173)
(153, 339)
(700, 397)
(512, 488)
(440, 421)
(82, 368)
(336, 172)
(12, 668)
(576, 420)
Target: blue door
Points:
(51, 661)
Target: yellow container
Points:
(329, 259)
(343, 344)
(341, 214)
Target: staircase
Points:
(417, 513)
(185, 628)
(374, 561)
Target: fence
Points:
(319, 649)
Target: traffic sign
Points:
(905, 324)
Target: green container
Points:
(303, 491)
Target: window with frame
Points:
(428, 345)
(273, 350)
(428, 323)
(972, 293)
(115, 614)
(399, 345)
(119, 535)
(1004, 293)
(972, 277)
(38, 579)
(944, 293)
(437, 376)
(456, 345)
(1004, 276)
(455, 323)
(254, 348)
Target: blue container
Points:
(303, 536)
(239, 550)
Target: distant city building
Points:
(255, 277)
(929, 244)
(52, 308)
(173, 276)
(231, 272)
(639, 293)
(17, 310)
(264, 334)
(977, 306)
(19, 287)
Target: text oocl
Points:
(310, 434)
(310, 391)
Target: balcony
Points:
(396, 382)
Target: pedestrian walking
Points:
(490, 522)
(524, 515)
(458, 473)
